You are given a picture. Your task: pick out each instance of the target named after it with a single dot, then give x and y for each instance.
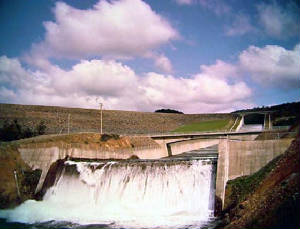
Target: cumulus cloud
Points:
(219, 87)
(163, 63)
(95, 77)
(201, 88)
(119, 87)
(108, 81)
(272, 65)
(240, 26)
(13, 75)
(279, 21)
(220, 70)
(118, 29)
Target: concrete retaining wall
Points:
(240, 158)
(185, 146)
(42, 155)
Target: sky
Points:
(195, 56)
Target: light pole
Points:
(69, 123)
(101, 105)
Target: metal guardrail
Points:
(157, 134)
(281, 127)
(197, 133)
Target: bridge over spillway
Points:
(177, 143)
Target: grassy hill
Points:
(88, 120)
(210, 125)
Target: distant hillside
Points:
(284, 114)
(88, 120)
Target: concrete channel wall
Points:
(41, 156)
(180, 146)
(186, 146)
(240, 158)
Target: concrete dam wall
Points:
(240, 158)
(235, 157)
(41, 155)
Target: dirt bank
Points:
(25, 179)
(91, 140)
(268, 198)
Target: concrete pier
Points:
(240, 158)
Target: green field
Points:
(211, 125)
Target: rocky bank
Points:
(18, 181)
(268, 198)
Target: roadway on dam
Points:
(201, 134)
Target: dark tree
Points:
(41, 128)
(27, 133)
(14, 131)
(168, 111)
(11, 131)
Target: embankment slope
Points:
(88, 120)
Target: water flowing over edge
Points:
(130, 195)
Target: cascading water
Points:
(131, 195)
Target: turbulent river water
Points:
(155, 194)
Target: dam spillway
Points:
(132, 194)
(236, 157)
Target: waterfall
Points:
(132, 194)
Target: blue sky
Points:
(196, 56)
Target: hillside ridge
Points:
(88, 120)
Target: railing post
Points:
(17, 185)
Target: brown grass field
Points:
(88, 120)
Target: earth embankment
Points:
(88, 120)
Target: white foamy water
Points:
(133, 195)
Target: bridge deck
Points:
(204, 134)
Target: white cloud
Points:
(218, 87)
(119, 87)
(118, 29)
(86, 81)
(200, 93)
(220, 70)
(240, 26)
(272, 65)
(13, 74)
(280, 21)
(163, 63)
(95, 77)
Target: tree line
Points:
(168, 111)
(13, 130)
